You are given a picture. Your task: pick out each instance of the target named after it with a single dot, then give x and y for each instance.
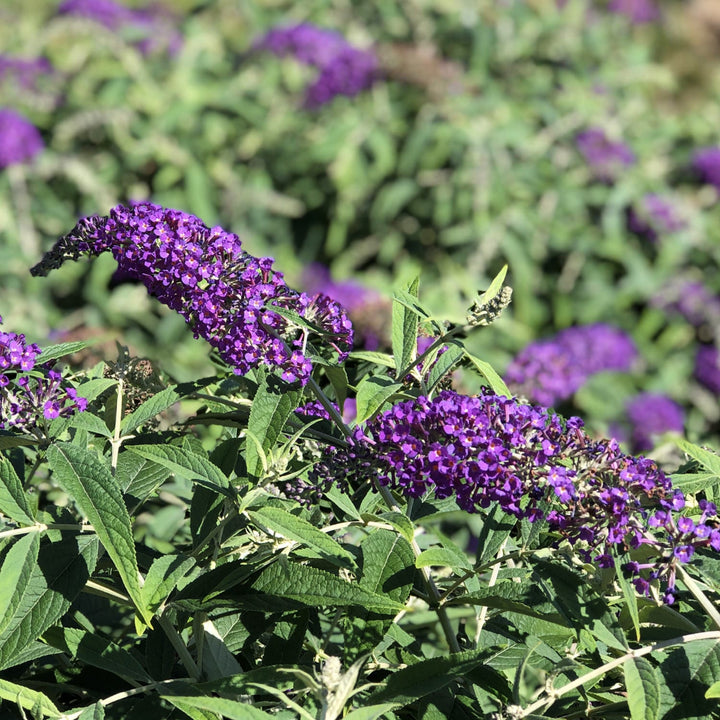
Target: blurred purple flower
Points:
(605, 157)
(344, 69)
(637, 11)
(491, 450)
(24, 72)
(707, 368)
(706, 163)
(548, 371)
(228, 296)
(20, 140)
(693, 302)
(655, 217)
(652, 414)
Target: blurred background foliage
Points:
(462, 159)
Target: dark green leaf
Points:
(231, 709)
(162, 578)
(28, 699)
(15, 575)
(405, 327)
(13, 501)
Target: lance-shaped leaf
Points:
(405, 322)
(488, 372)
(27, 699)
(53, 352)
(272, 406)
(372, 393)
(60, 574)
(231, 709)
(163, 576)
(300, 530)
(13, 501)
(15, 575)
(643, 689)
(87, 480)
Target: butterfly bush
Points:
(605, 157)
(20, 140)
(655, 217)
(24, 72)
(343, 68)
(494, 450)
(637, 11)
(706, 163)
(707, 368)
(551, 370)
(26, 398)
(652, 414)
(228, 297)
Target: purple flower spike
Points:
(655, 217)
(706, 163)
(24, 72)
(551, 370)
(344, 69)
(637, 11)
(226, 295)
(693, 302)
(652, 414)
(707, 368)
(490, 450)
(20, 140)
(605, 157)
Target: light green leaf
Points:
(442, 557)
(53, 352)
(444, 364)
(149, 409)
(486, 370)
(709, 460)
(15, 575)
(93, 712)
(162, 578)
(27, 699)
(300, 530)
(272, 405)
(405, 326)
(7, 442)
(231, 709)
(139, 476)
(387, 565)
(694, 482)
(314, 587)
(185, 463)
(370, 712)
(92, 388)
(90, 422)
(372, 393)
(341, 500)
(13, 501)
(61, 572)
(643, 689)
(376, 358)
(87, 480)
(713, 691)
(31, 651)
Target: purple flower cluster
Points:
(652, 414)
(605, 157)
(707, 367)
(368, 310)
(27, 397)
(24, 72)
(343, 69)
(637, 11)
(229, 297)
(706, 163)
(693, 302)
(551, 370)
(490, 449)
(155, 21)
(20, 140)
(655, 217)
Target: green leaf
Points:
(314, 587)
(162, 578)
(427, 676)
(94, 650)
(139, 476)
(231, 709)
(486, 370)
(694, 482)
(90, 422)
(643, 689)
(713, 691)
(53, 352)
(217, 660)
(7, 441)
(494, 288)
(13, 501)
(149, 409)
(372, 393)
(370, 712)
(444, 364)
(709, 460)
(338, 378)
(87, 480)
(186, 464)
(342, 501)
(685, 675)
(28, 699)
(61, 572)
(93, 712)
(272, 405)
(15, 575)
(376, 358)
(405, 326)
(629, 594)
(92, 388)
(300, 530)
(442, 557)
(32, 651)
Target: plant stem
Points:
(116, 442)
(41, 527)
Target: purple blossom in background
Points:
(368, 310)
(637, 11)
(344, 69)
(26, 398)
(655, 217)
(24, 72)
(693, 302)
(551, 370)
(225, 294)
(652, 414)
(707, 368)
(155, 20)
(492, 450)
(605, 157)
(706, 163)
(20, 140)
